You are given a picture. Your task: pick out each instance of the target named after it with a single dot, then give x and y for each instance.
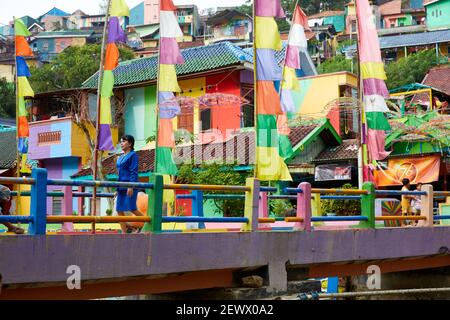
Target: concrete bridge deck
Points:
(129, 264)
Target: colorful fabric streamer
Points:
(115, 35)
(269, 164)
(168, 107)
(373, 75)
(24, 90)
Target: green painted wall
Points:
(438, 14)
(140, 116)
(406, 21)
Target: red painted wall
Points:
(226, 116)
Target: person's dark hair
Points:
(130, 139)
(405, 181)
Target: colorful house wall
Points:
(438, 13)
(312, 98)
(140, 114)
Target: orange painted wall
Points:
(226, 116)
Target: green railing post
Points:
(368, 206)
(251, 209)
(155, 204)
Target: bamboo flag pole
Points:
(255, 91)
(100, 82)
(18, 158)
(362, 153)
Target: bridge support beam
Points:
(277, 277)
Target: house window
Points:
(248, 115)
(205, 117)
(57, 205)
(45, 45)
(46, 138)
(186, 121)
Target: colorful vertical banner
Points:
(24, 91)
(269, 164)
(115, 35)
(168, 108)
(297, 43)
(373, 76)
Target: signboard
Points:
(423, 169)
(328, 172)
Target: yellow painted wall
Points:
(7, 71)
(316, 92)
(80, 146)
(194, 88)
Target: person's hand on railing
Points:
(130, 192)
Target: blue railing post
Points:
(368, 206)
(38, 207)
(197, 206)
(155, 204)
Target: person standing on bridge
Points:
(5, 205)
(127, 166)
(406, 200)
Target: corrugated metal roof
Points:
(197, 59)
(413, 39)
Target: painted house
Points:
(46, 45)
(56, 19)
(58, 143)
(334, 18)
(146, 14)
(228, 25)
(314, 102)
(438, 13)
(399, 13)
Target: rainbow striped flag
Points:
(269, 164)
(373, 75)
(168, 107)
(115, 35)
(24, 90)
(297, 43)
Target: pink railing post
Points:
(427, 206)
(67, 204)
(304, 207)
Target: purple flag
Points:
(104, 138)
(115, 31)
(374, 86)
(168, 107)
(267, 67)
(269, 8)
(287, 101)
(170, 52)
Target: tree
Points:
(71, 68)
(7, 99)
(336, 64)
(217, 174)
(411, 69)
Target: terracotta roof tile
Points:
(325, 14)
(239, 149)
(348, 150)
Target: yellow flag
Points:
(290, 80)
(22, 109)
(270, 166)
(119, 9)
(373, 70)
(24, 87)
(23, 165)
(168, 78)
(267, 35)
(105, 110)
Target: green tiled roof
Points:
(197, 59)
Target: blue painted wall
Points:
(137, 15)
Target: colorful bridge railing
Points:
(255, 208)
